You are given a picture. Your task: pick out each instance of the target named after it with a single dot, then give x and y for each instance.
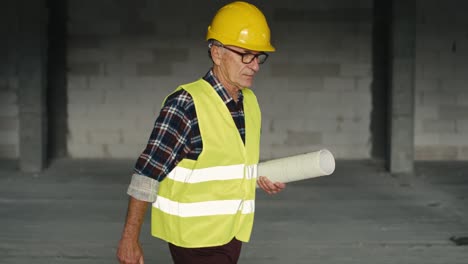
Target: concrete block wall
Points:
(124, 57)
(315, 91)
(441, 106)
(9, 110)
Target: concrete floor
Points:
(74, 213)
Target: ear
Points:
(216, 54)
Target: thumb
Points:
(141, 261)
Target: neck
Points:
(232, 90)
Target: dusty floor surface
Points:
(74, 213)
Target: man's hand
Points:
(270, 187)
(130, 252)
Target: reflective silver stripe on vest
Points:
(230, 172)
(223, 207)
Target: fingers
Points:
(270, 187)
(129, 252)
(280, 185)
(265, 184)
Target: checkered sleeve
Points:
(168, 144)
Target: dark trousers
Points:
(225, 254)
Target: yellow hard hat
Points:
(241, 24)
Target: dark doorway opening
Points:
(380, 84)
(57, 79)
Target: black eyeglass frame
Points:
(243, 55)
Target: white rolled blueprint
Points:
(298, 167)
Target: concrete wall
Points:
(441, 117)
(9, 110)
(125, 57)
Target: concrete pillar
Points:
(32, 56)
(401, 105)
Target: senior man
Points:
(199, 168)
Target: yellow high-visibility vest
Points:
(208, 201)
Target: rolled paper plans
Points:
(298, 167)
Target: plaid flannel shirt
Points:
(176, 136)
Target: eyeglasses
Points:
(248, 57)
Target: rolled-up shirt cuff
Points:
(143, 188)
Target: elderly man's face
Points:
(235, 72)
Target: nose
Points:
(254, 65)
